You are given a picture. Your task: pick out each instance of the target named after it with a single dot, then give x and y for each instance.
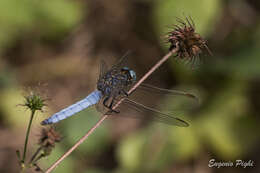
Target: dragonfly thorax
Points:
(116, 81)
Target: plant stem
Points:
(37, 159)
(27, 136)
(35, 154)
(82, 139)
(76, 144)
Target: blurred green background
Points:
(56, 46)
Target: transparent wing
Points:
(166, 99)
(162, 91)
(122, 62)
(132, 109)
(103, 68)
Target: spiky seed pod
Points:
(48, 139)
(34, 101)
(190, 43)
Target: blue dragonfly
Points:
(112, 86)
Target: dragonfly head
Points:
(130, 72)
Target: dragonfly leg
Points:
(125, 93)
(110, 106)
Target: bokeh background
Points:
(56, 46)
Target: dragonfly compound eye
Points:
(132, 74)
(125, 69)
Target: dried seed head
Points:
(48, 139)
(190, 43)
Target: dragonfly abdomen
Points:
(91, 99)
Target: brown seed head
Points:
(190, 43)
(48, 139)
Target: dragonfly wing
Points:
(154, 89)
(178, 100)
(122, 62)
(91, 99)
(130, 108)
(103, 68)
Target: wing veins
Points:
(165, 118)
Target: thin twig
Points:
(76, 144)
(159, 63)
